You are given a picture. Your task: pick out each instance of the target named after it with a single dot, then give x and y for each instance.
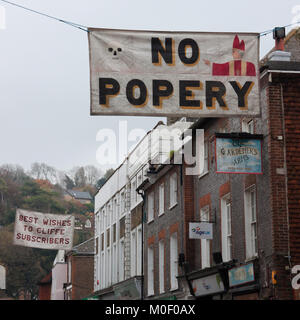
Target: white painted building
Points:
(118, 212)
(2, 278)
(59, 276)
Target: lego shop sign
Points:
(44, 231)
(200, 230)
(147, 73)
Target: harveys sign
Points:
(146, 73)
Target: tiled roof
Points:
(86, 247)
(80, 195)
(46, 279)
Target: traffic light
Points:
(274, 277)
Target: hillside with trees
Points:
(43, 189)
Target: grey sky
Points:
(44, 67)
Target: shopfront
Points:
(243, 282)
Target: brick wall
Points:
(82, 276)
(161, 228)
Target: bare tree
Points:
(92, 174)
(44, 172)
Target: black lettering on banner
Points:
(108, 87)
(242, 92)
(185, 93)
(215, 91)
(158, 51)
(161, 89)
(132, 85)
(193, 59)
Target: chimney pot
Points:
(278, 36)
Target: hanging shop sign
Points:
(239, 154)
(194, 74)
(241, 275)
(200, 230)
(44, 231)
(208, 285)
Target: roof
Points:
(83, 195)
(84, 248)
(288, 37)
(47, 279)
(293, 66)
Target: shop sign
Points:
(208, 285)
(238, 155)
(201, 230)
(241, 275)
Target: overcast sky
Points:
(44, 67)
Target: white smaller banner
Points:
(43, 230)
(200, 230)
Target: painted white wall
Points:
(59, 277)
(2, 277)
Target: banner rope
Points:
(85, 28)
(72, 24)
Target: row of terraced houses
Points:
(142, 245)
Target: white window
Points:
(108, 266)
(133, 253)
(121, 259)
(151, 207)
(205, 243)
(122, 203)
(139, 251)
(88, 224)
(161, 248)
(115, 211)
(248, 126)
(205, 170)
(226, 229)
(106, 217)
(102, 283)
(69, 270)
(114, 264)
(103, 220)
(161, 199)
(133, 193)
(150, 271)
(140, 179)
(174, 261)
(173, 190)
(97, 225)
(250, 223)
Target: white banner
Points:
(147, 73)
(200, 230)
(43, 230)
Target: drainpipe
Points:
(142, 194)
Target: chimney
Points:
(279, 54)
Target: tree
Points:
(69, 183)
(109, 173)
(79, 178)
(24, 266)
(14, 173)
(92, 174)
(3, 189)
(42, 171)
(106, 176)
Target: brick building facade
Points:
(163, 233)
(80, 266)
(45, 287)
(255, 217)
